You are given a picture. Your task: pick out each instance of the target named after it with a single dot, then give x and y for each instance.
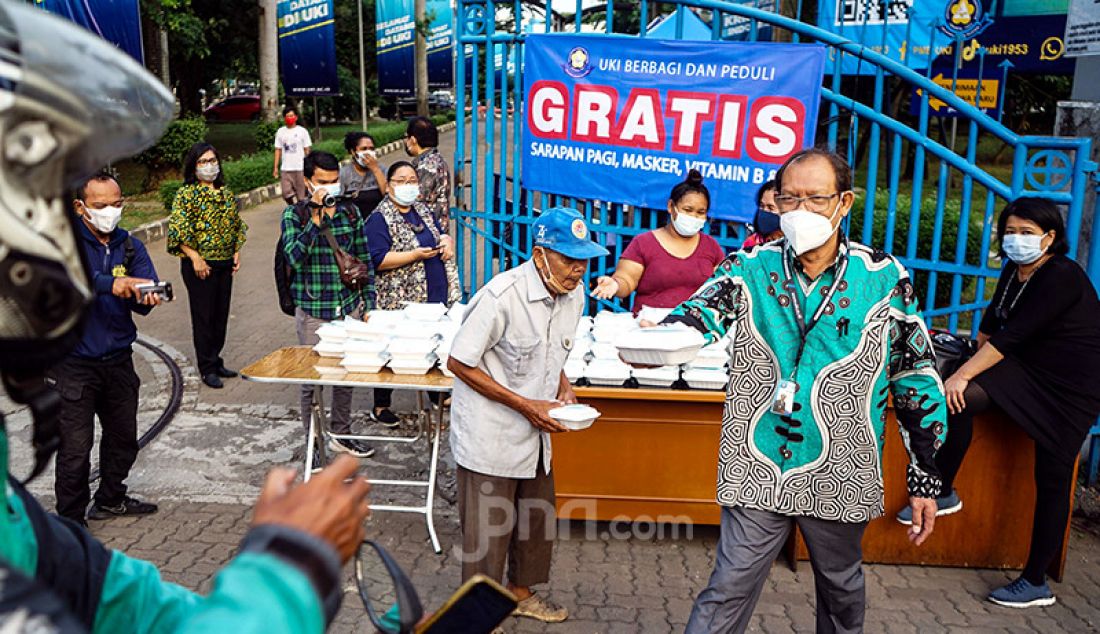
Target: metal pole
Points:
(362, 71)
(317, 118)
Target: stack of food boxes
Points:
(415, 339)
(367, 342)
(577, 361)
(410, 341)
(605, 367)
(708, 371)
(448, 328)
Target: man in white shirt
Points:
(292, 143)
(508, 358)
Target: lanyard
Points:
(805, 327)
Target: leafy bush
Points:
(249, 172)
(167, 193)
(168, 153)
(925, 230)
(265, 135)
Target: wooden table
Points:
(653, 455)
(296, 365)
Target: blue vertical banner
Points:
(395, 42)
(307, 48)
(441, 45)
(395, 33)
(622, 119)
(117, 21)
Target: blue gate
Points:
(929, 204)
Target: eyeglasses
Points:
(812, 203)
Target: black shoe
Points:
(357, 448)
(386, 417)
(212, 380)
(129, 506)
(225, 372)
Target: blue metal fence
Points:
(924, 201)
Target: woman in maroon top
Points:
(665, 266)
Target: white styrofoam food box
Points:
(661, 345)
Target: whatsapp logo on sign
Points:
(1053, 48)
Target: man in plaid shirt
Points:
(318, 293)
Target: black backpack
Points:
(283, 273)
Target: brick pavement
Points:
(206, 468)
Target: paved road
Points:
(207, 467)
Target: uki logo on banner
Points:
(307, 48)
(624, 120)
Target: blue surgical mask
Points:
(765, 222)
(1023, 249)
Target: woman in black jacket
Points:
(1039, 364)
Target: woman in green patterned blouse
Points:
(207, 233)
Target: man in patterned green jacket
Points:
(822, 331)
(70, 103)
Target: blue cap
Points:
(563, 230)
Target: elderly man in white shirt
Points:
(508, 358)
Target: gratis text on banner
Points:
(623, 120)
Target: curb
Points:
(158, 229)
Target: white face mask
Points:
(405, 194)
(104, 220)
(361, 157)
(687, 226)
(1023, 249)
(207, 173)
(806, 230)
(333, 188)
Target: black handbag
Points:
(952, 351)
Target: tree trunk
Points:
(269, 62)
(420, 13)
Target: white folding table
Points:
(296, 365)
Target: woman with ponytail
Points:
(665, 266)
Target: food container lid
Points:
(655, 315)
(669, 338)
(424, 311)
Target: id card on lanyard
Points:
(783, 401)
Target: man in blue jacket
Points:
(98, 377)
(69, 103)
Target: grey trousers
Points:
(341, 396)
(749, 543)
(507, 521)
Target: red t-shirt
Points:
(669, 280)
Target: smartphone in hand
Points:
(477, 607)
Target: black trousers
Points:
(1053, 478)
(109, 390)
(209, 301)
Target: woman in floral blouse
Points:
(206, 231)
(413, 258)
